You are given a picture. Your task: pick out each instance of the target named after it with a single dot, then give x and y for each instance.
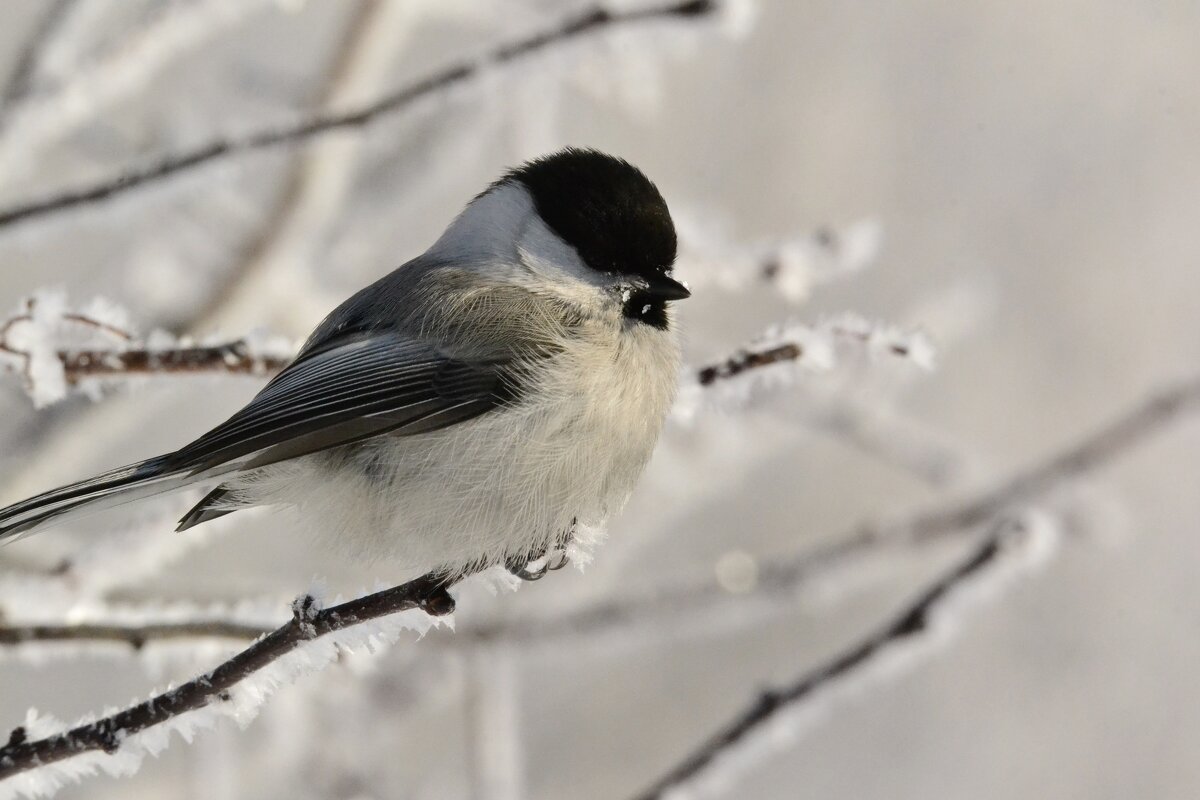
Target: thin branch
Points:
(787, 345)
(730, 747)
(26, 68)
(589, 22)
(309, 623)
(313, 188)
(235, 358)
(1100, 448)
(136, 636)
(745, 360)
(169, 31)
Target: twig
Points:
(169, 32)
(788, 345)
(235, 358)
(731, 746)
(26, 68)
(427, 593)
(588, 22)
(1096, 450)
(748, 359)
(136, 636)
(315, 184)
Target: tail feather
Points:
(109, 489)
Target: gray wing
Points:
(370, 384)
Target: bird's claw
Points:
(522, 571)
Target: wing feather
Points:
(370, 385)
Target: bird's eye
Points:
(640, 305)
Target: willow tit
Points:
(469, 408)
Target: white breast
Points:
(505, 485)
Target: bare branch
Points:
(1100, 448)
(589, 22)
(727, 753)
(309, 623)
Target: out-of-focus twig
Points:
(727, 753)
(171, 30)
(588, 22)
(1113, 440)
(316, 181)
(26, 67)
(136, 636)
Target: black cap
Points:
(605, 208)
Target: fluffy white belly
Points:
(506, 485)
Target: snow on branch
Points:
(588, 22)
(785, 352)
(54, 347)
(37, 762)
(779, 716)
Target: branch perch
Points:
(428, 593)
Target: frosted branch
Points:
(586, 23)
(309, 640)
(234, 357)
(776, 718)
(54, 348)
(785, 352)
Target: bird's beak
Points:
(662, 287)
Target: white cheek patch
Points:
(502, 233)
(544, 252)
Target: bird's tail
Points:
(133, 482)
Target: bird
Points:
(472, 407)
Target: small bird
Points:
(470, 408)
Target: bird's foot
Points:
(553, 564)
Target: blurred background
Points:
(1019, 180)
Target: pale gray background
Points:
(1043, 155)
